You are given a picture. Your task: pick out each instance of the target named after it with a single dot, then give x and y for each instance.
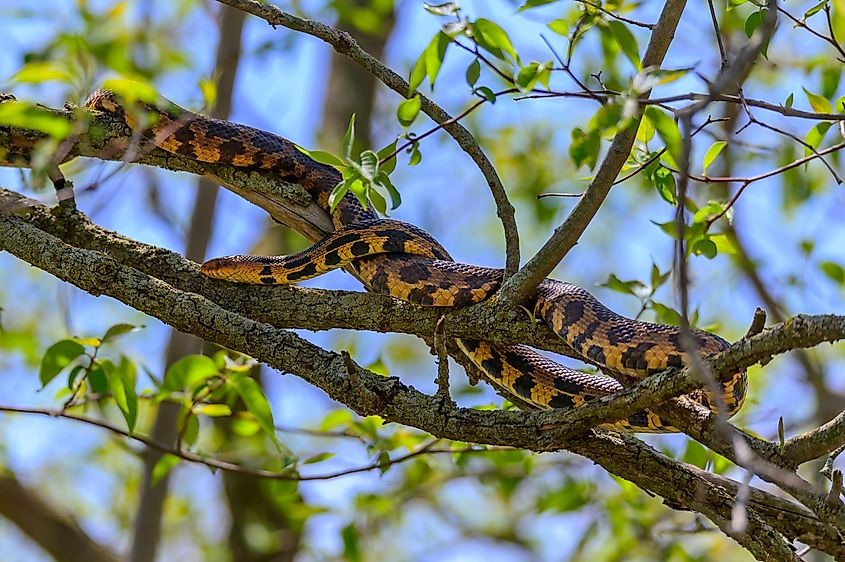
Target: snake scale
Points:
(404, 261)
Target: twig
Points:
(517, 288)
(617, 16)
(722, 54)
(426, 448)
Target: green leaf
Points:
(24, 115)
(336, 418)
(417, 75)
(789, 99)
(665, 314)
(389, 165)
(337, 194)
(41, 71)
(627, 287)
(433, 57)
(319, 457)
(815, 136)
(752, 22)
(695, 454)
(664, 183)
(348, 138)
(131, 91)
(473, 72)
(369, 165)
(834, 271)
(711, 209)
(816, 9)
(256, 404)
(492, 38)
(119, 330)
(626, 41)
(56, 358)
(351, 548)
(705, 247)
(584, 148)
(486, 93)
(533, 4)
(395, 198)
(163, 466)
(324, 157)
(213, 410)
(657, 278)
(188, 371)
(561, 27)
(121, 380)
(190, 428)
(534, 72)
(245, 427)
(712, 152)
(359, 189)
(408, 110)
(668, 131)
(416, 156)
(379, 203)
(820, 104)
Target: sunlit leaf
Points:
(667, 129)
(820, 104)
(408, 110)
(815, 137)
(36, 72)
(834, 271)
(348, 138)
(163, 466)
(121, 380)
(473, 72)
(534, 3)
(493, 39)
(626, 41)
(627, 287)
(118, 330)
(319, 457)
(713, 152)
(27, 116)
(256, 404)
(56, 358)
(188, 371)
(213, 410)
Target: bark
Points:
(57, 533)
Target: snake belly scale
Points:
(404, 261)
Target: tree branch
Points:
(57, 533)
(518, 288)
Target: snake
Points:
(404, 261)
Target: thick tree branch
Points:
(316, 309)
(105, 137)
(57, 533)
(369, 393)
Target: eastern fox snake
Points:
(405, 262)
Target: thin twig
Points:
(617, 16)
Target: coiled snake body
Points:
(403, 261)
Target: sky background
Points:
(282, 91)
